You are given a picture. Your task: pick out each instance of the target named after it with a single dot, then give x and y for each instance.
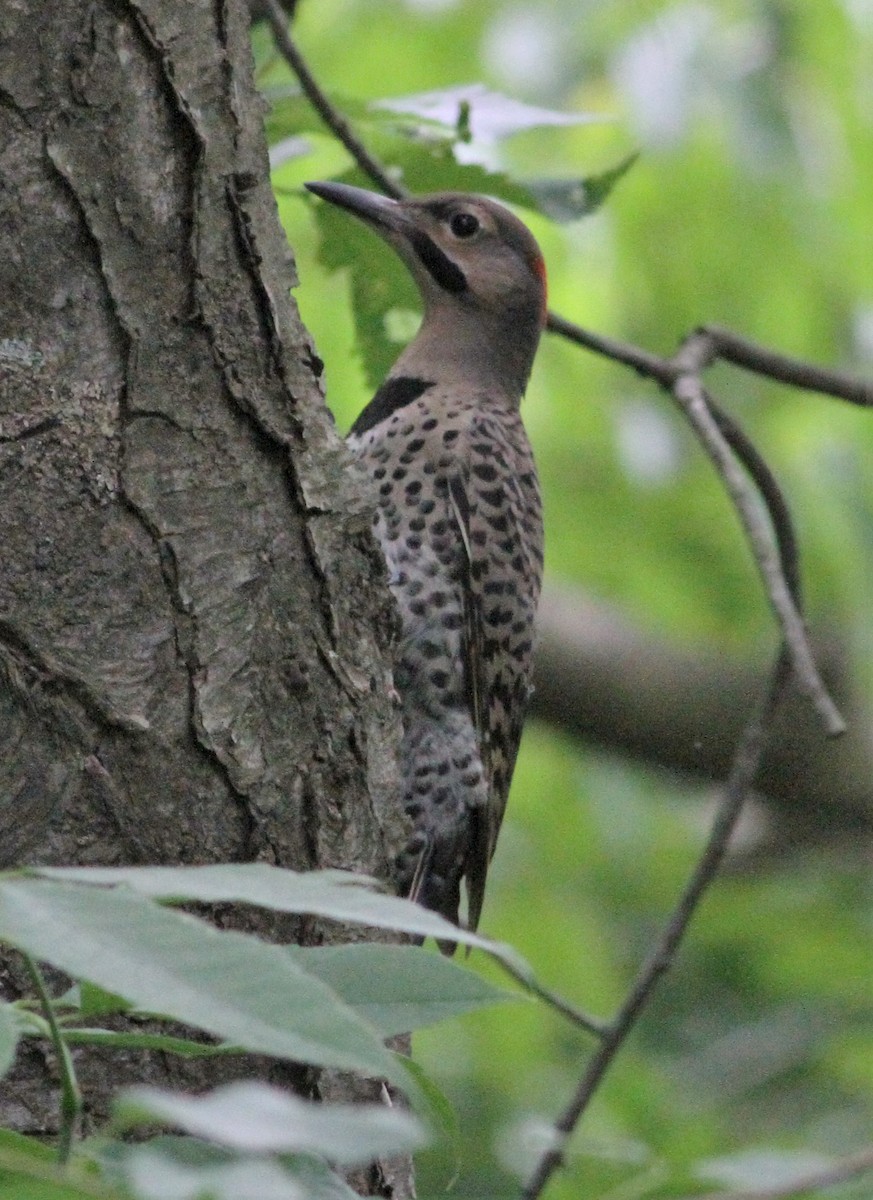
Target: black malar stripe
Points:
(447, 274)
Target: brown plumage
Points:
(459, 521)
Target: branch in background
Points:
(839, 1172)
(646, 364)
(603, 680)
(574, 1015)
(778, 571)
(766, 484)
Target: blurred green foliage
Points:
(749, 205)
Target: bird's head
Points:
(480, 273)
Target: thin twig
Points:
(71, 1097)
(576, 1016)
(765, 482)
(746, 762)
(333, 119)
(650, 366)
(742, 352)
(719, 436)
(839, 1172)
(712, 342)
(691, 397)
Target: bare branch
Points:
(692, 399)
(745, 767)
(771, 493)
(722, 439)
(711, 343)
(839, 1172)
(576, 1016)
(730, 347)
(650, 366)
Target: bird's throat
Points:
(470, 355)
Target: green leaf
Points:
(27, 1149)
(29, 1171)
(96, 1002)
(176, 1168)
(435, 168)
(226, 983)
(316, 1178)
(570, 199)
(148, 1041)
(257, 1118)
(154, 1174)
(441, 1113)
(10, 1032)
(398, 988)
(337, 895)
(473, 111)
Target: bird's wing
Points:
(495, 502)
(475, 688)
(473, 635)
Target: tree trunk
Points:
(193, 616)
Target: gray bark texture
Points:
(194, 624)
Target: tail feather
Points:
(433, 889)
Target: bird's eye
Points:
(464, 224)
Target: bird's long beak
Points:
(382, 212)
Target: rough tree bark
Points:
(193, 616)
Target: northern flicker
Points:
(460, 523)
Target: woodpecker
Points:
(459, 519)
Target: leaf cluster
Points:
(133, 954)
